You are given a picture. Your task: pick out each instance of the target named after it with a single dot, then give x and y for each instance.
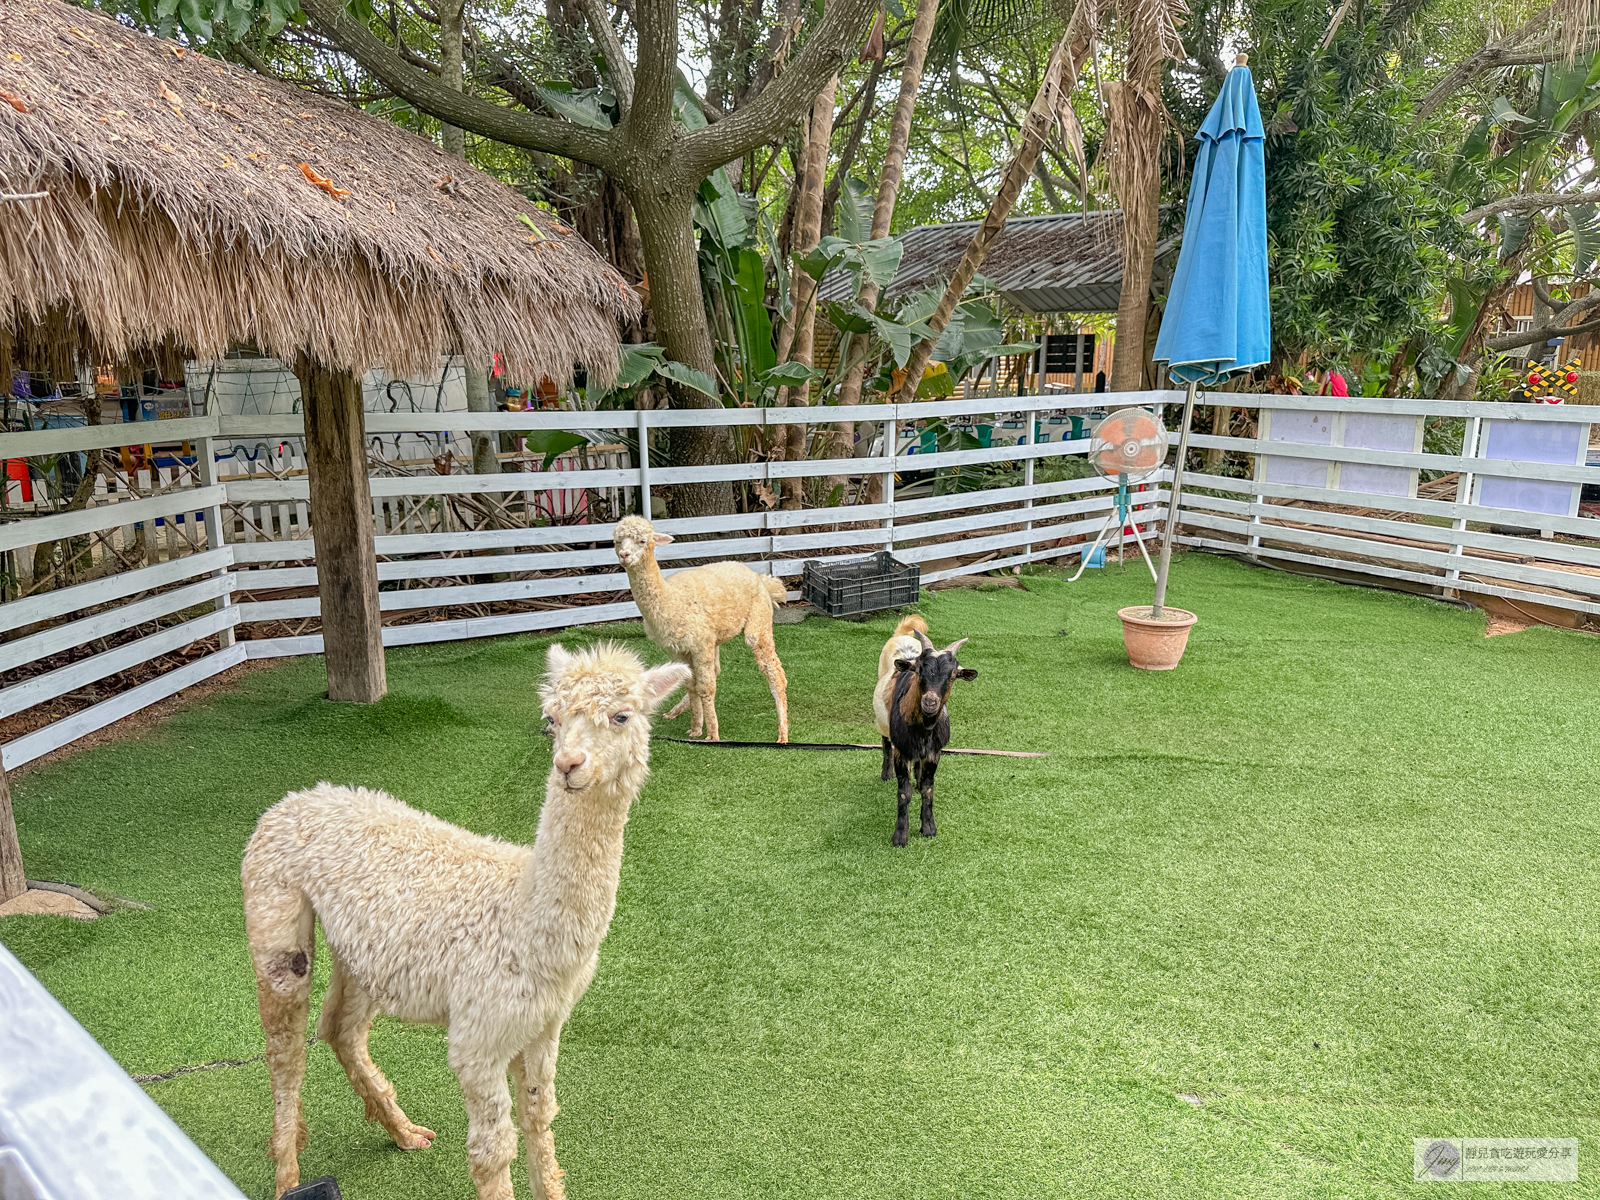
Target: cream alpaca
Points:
(429, 922)
(695, 611)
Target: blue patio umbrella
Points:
(1218, 320)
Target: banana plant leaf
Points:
(1585, 222)
(792, 374)
(683, 373)
(583, 106)
(751, 275)
(717, 211)
(852, 212)
(552, 443)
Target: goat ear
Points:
(660, 682)
(556, 658)
(954, 646)
(904, 664)
(967, 673)
(661, 539)
(923, 638)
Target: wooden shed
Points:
(162, 205)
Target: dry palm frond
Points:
(177, 220)
(1575, 24)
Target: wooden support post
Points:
(341, 524)
(12, 881)
(644, 466)
(216, 530)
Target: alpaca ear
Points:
(661, 539)
(954, 646)
(556, 658)
(660, 682)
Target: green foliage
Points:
(1360, 232)
(552, 443)
(643, 364)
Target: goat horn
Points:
(954, 646)
(923, 638)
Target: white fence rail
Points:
(1538, 552)
(464, 555)
(161, 574)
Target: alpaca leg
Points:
(704, 683)
(902, 776)
(346, 1019)
(758, 635)
(925, 782)
(533, 1072)
(491, 1137)
(279, 924)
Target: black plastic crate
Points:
(843, 589)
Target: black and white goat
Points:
(913, 720)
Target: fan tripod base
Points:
(1120, 515)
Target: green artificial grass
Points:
(1333, 879)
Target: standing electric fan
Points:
(1129, 446)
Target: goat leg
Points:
(903, 777)
(888, 761)
(925, 782)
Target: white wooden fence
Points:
(1323, 499)
(199, 568)
(454, 547)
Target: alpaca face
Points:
(597, 705)
(635, 540)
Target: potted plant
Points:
(1155, 643)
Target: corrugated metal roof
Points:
(1067, 262)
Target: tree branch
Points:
(651, 123)
(1532, 202)
(1483, 60)
(488, 120)
(605, 35)
(1528, 337)
(784, 101)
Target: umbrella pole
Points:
(1172, 504)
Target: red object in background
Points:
(17, 472)
(1336, 380)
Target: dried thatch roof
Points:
(180, 218)
(1067, 262)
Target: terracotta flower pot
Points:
(1155, 645)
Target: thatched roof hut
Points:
(194, 204)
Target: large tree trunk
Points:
(1051, 105)
(12, 881)
(341, 525)
(894, 159)
(666, 239)
(803, 288)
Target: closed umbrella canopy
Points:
(1219, 314)
(1218, 319)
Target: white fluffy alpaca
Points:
(693, 612)
(429, 922)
